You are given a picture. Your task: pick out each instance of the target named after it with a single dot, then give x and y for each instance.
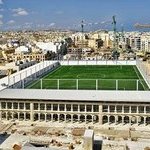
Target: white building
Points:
(22, 49)
(50, 46)
(145, 43)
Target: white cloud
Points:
(1, 16)
(20, 12)
(1, 1)
(10, 22)
(52, 24)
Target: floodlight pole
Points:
(96, 84)
(77, 84)
(57, 84)
(22, 83)
(116, 84)
(41, 84)
(137, 85)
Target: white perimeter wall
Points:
(92, 62)
(21, 75)
(144, 69)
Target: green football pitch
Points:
(92, 77)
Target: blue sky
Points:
(97, 14)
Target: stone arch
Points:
(112, 119)
(126, 119)
(75, 118)
(133, 120)
(95, 118)
(55, 117)
(21, 116)
(82, 118)
(3, 115)
(105, 119)
(119, 119)
(89, 118)
(15, 115)
(147, 120)
(27, 116)
(42, 117)
(9, 115)
(36, 116)
(141, 120)
(62, 117)
(68, 117)
(48, 117)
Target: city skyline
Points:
(37, 14)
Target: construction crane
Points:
(114, 33)
(102, 23)
(115, 53)
(82, 31)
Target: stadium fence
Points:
(144, 69)
(88, 84)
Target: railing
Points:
(144, 69)
(88, 84)
(26, 76)
(98, 62)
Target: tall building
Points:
(145, 43)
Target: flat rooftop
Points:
(75, 95)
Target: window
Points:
(89, 108)
(15, 105)
(126, 109)
(112, 108)
(48, 107)
(61, 107)
(42, 106)
(21, 105)
(68, 107)
(27, 106)
(96, 108)
(3, 105)
(133, 109)
(55, 107)
(35, 106)
(141, 109)
(82, 108)
(9, 105)
(105, 108)
(119, 108)
(147, 109)
(75, 107)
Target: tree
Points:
(99, 43)
(50, 55)
(115, 54)
(63, 48)
(68, 41)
